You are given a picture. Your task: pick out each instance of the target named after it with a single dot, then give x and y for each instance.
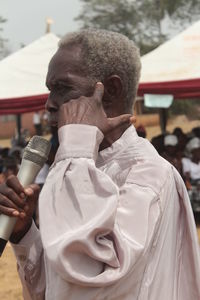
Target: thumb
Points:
(133, 120)
(32, 190)
(32, 193)
(119, 120)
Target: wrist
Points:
(16, 237)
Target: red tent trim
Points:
(180, 89)
(22, 104)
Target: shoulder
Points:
(151, 170)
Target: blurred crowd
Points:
(10, 157)
(183, 152)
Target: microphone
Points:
(34, 157)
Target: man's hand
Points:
(16, 201)
(89, 110)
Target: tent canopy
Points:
(174, 67)
(22, 76)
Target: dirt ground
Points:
(10, 286)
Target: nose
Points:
(50, 104)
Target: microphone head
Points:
(37, 150)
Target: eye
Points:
(62, 88)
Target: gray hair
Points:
(106, 53)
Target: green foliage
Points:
(140, 20)
(3, 49)
(190, 108)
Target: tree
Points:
(3, 49)
(140, 20)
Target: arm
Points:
(25, 238)
(92, 239)
(30, 262)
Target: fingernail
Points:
(15, 213)
(29, 191)
(22, 214)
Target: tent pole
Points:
(163, 119)
(18, 121)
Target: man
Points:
(115, 224)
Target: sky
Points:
(26, 19)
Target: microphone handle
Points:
(26, 175)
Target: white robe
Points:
(117, 225)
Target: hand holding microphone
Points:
(18, 197)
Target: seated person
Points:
(191, 166)
(171, 151)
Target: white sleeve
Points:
(30, 262)
(89, 235)
(186, 165)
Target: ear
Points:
(113, 87)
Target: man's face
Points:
(66, 80)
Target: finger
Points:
(98, 92)
(13, 197)
(32, 189)
(13, 182)
(132, 119)
(11, 212)
(6, 202)
(8, 207)
(32, 200)
(119, 121)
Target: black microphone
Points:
(34, 157)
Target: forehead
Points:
(65, 60)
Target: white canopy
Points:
(177, 59)
(174, 67)
(22, 75)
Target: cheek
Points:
(71, 95)
(53, 118)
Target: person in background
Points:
(115, 217)
(191, 165)
(182, 141)
(16, 152)
(196, 131)
(171, 150)
(45, 122)
(158, 143)
(10, 167)
(37, 123)
(4, 152)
